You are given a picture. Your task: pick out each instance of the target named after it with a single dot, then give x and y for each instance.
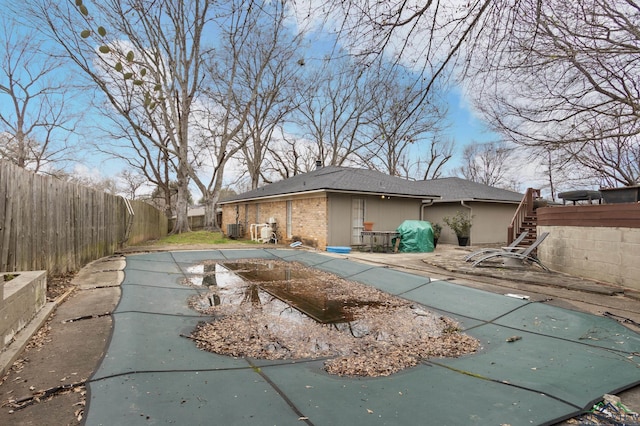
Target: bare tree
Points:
(278, 47)
(612, 162)
(243, 95)
(98, 183)
(158, 197)
(35, 118)
(428, 36)
(543, 71)
(489, 164)
(132, 182)
(399, 121)
(564, 75)
(430, 164)
(288, 156)
(333, 109)
(146, 58)
(428, 39)
(146, 151)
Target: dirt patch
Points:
(382, 335)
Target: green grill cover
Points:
(416, 236)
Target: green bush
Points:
(460, 224)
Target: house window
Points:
(289, 214)
(357, 220)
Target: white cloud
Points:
(86, 172)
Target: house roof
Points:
(457, 189)
(363, 181)
(339, 179)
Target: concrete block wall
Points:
(608, 254)
(20, 300)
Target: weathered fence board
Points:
(49, 224)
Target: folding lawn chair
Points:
(524, 256)
(511, 247)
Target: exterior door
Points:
(357, 220)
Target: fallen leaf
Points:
(383, 335)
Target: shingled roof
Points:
(363, 181)
(339, 179)
(457, 189)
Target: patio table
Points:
(386, 236)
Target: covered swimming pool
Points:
(562, 362)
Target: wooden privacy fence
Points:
(60, 227)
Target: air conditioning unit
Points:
(234, 230)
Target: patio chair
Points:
(524, 256)
(511, 247)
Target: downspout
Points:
(470, 217)
(425, 204)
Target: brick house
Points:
(328, 206)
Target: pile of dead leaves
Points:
(382, 338)
(57, 285)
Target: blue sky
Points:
(466, 127)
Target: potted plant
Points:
(461, 226)
(437, 229)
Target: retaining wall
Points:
(20, 300)
(600, 242)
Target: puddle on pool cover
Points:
(277, 310)
(242, 282)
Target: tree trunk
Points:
(182, 204)
(168, 205)
(210, 216)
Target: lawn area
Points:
(194, 237)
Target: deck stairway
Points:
(525, 219)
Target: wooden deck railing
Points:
(524, 210)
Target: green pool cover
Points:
(151, 374)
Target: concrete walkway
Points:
(70, 337)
